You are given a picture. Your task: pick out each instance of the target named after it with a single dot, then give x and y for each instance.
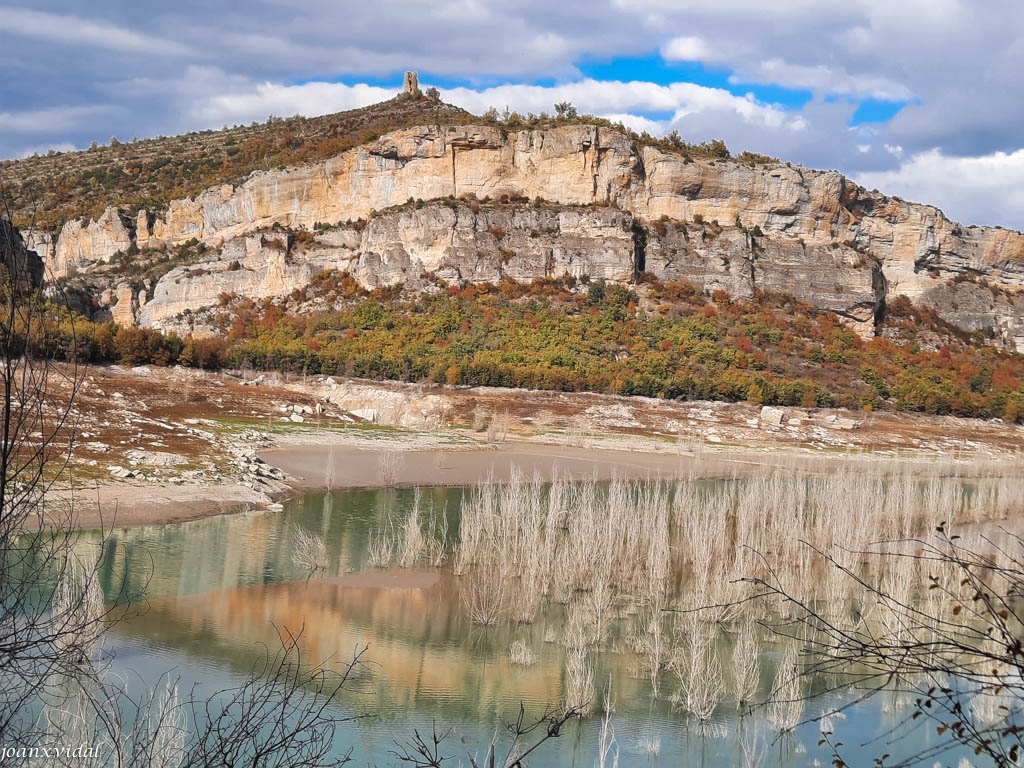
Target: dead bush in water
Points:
(308, 551)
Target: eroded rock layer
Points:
(612, 206)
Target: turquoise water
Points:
(217, 589)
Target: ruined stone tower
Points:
(411, 86)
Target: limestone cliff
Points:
(451, 241)
(459, 242)
(81, 243)
(718, 222)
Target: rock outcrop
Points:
(410, 246)
(718, 222)
(413, 246)
(83, 243)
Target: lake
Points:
(219, 588)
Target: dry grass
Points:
(746, 670)
(579, 681)
(412, 545)
(786, 704)
(309, 551)
(607, 749)
(77, 610)
(498, 429)
(653, 548)
(380, 549)
(389, 467)
(576, 435)
(483, 598)
(698, 669)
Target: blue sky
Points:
(919, 98)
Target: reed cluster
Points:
(420, 538)
(648, 551)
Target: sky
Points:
(918, 98)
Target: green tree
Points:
(565, 110)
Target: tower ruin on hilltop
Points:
(411, 85)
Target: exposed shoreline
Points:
(322, 464)
(329, 461)
(162, 446)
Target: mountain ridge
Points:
(691, 213)
(44, 188)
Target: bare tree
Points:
(527, 736)
(281, 716)
(941, 623)
(50, 615)
(57, 689)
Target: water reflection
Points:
(219, 589)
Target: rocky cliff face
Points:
(457, 242)
(409, 247)
(717, 222)
(81, 244)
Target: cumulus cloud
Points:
(690, 48)
(42, 149)
(47, 121)
(309, 99)
(822, 79)
(628, 102)
(977, 190)
(614, 99)
(200, 65)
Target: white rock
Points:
(771, 417)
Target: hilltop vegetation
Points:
(659, 340)
(668, 340)
(57, 187)
(149, 173)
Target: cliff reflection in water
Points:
(420, 645)
(220, 589)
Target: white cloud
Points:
(619, 98)
(73, 30)
(42, 149)
(628, 102)
(638, 123)
(979, 190)
(308, 99)
(200, 66)
(47, 121)
(734, 8)
(822, 79)
(688, 49)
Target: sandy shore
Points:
(121, 505)
(336, 465)
(356, 461)
(345, 462)
(317, 466)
